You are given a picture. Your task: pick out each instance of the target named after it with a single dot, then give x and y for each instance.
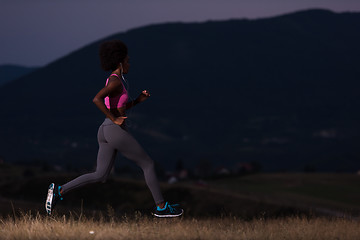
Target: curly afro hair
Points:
(111, 54)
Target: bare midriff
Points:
(118, 112)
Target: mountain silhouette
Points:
(10, 72)
(279, 91)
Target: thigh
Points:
(106, 154)
(125, 143)
(105, 159)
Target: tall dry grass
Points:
(145, 227)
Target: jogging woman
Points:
(113, 136)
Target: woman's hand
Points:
(143, 96)
(119, 120)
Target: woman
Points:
(113, 136)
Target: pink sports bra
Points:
(119, 100)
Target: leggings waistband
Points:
(107, 122)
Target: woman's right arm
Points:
(112, 85)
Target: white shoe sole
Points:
(49, 198)
(163, 216)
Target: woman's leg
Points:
(105, 162)
(126, 144)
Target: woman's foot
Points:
(169, 210)
(53, 196)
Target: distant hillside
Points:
(11, 72)
(246, 196)
(280, 91)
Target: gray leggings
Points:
(113, 138)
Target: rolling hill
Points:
(279, 91)
(10, 72)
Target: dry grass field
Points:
(260, 206)
(144, 227)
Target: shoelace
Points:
(172, 210)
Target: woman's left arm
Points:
(142, 97)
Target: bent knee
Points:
(147, 164)
(100, 177)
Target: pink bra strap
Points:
(115, 75)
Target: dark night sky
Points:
(36, 32)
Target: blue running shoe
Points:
(170, 210)
(53, 197)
